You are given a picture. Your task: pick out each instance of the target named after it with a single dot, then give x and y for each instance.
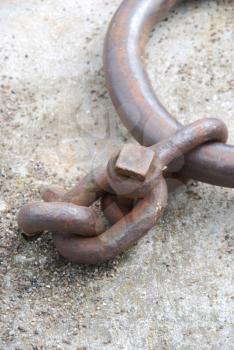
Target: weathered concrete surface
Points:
(174, 290)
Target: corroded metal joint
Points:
(134, 172)
(137, 104)
(133, 193)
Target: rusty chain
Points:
(131, 188)
(135, 176)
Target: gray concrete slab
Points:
(174, 289)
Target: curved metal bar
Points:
(189, 137)
(67, 217)
(84, 193)
(172, 148)
(120, 236)
(133, 96)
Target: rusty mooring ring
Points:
(134, 98)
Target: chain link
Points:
(133, 195)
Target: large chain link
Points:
(133, 194)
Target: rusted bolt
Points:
(134, 161)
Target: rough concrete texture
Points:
(174, 289)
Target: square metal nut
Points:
(134, 161)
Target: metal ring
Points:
(134, 98)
